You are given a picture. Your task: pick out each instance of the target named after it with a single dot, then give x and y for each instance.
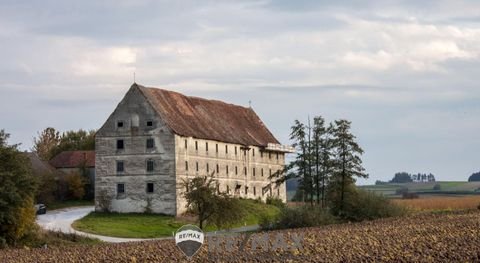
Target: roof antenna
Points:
(134, 77)
(249, 103)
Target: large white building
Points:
(156, 138)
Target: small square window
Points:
(120, 145)
(149, 123)
(150, 143)
(119, 124)
(120, 188)
(120, 167)
(150, 165)
(150, 188)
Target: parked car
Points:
(40, 209)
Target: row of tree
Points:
(51, 142)
(404, 177)
(327, 162)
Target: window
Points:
(186, 165)
(218, 169)
(269, 155)
(253, 171)
(254, 191)
(245, 170)
(149, 123)
(120, 189)
(277, 156)
(262, 171)
(261, 154)
(228, 189)
(245, 152)
(236, 170)
(216, 148)
(149, 187)
(278, 191)
(208, 168)
(150, 143)
(246, 189)
(226, 148)
(186, 144)
(196, 145)
(206, 146)
(120, 145)
(253, 152)
(270, 173)
(150, 165)
(120, 167)
(226, 169)
(196, 164)
(119, 124)
(235, 150)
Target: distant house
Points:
(72, 161)
(156, 139)
(39, 166)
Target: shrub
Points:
(410, 196)
(295, 217)
(365, 205)
(437, 187)
(76, 185)
(271, 200)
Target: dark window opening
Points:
(226, 148)
(253, 170)
(245, 170)
(120, 167)
(269, 155)
(254, 191)
(196, 145)
(277, 156)
(261, 154)
(196, 164)
(246, 189)
(208, 168)
(235, 150)
(262, 172)
(186, 144)
(149, 123)
(228, 189)
(120, 124)
(253, 152)
(226, 169)
(149, 187)
(150, 143)
(270, 173)
(278, 191)
(150, 165)
(120, 188)
(186, 165)
(120, 145)
(218, 169)
(216, 148)
(206, 146)
(236, 170)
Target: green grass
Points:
(152, 225)
(446, 187)
(69, 203)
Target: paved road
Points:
(62, 219)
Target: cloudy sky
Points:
(406, 73)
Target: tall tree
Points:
(301, 166)
(348, 164)
(46, 143)
(17, 189)
(322, 152)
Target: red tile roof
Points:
(208, 119)
(73, 159)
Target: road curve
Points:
(62, 220)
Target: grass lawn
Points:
(152, 225)
(69, 203)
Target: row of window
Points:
(121, 124)
(150, 189)
(149, 166)
(150, 144)
(244, 149)
(121, 188)
(217, 169)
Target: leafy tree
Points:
(402, 177)
(46, 143)
(204, 200)
(76, 185)
(475, 177)
(49, 142)
(17, 189)
(348, 163)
